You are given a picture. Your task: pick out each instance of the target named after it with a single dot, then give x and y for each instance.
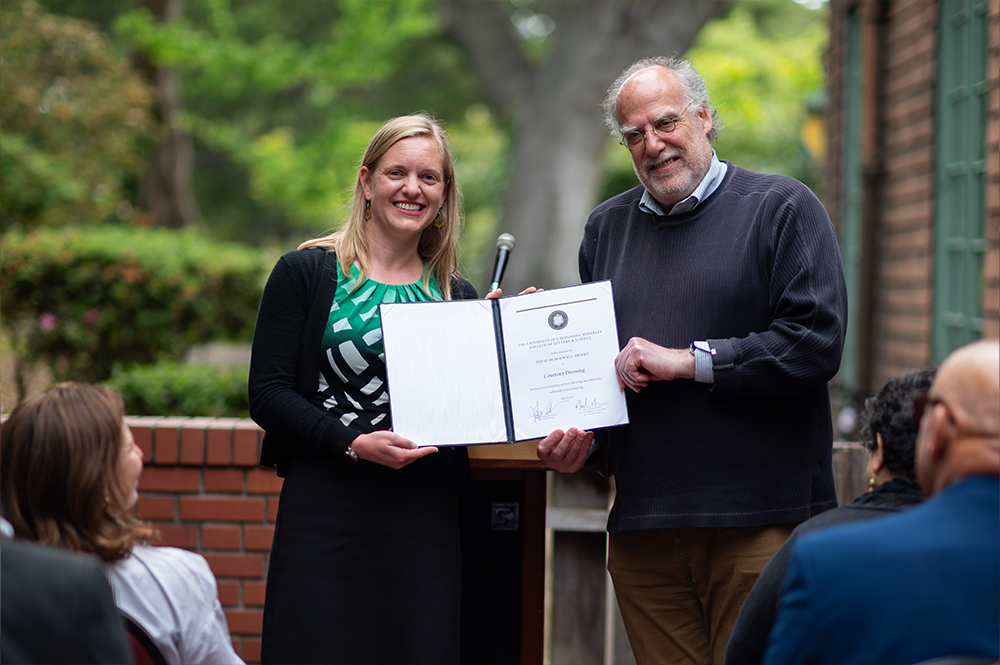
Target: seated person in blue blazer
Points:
(889, 435)
(924, 583)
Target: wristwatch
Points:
(702, 353)
(701, 346)
(350, 453)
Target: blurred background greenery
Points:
(157, 156)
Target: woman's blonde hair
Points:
(438, 246)
(60, 475)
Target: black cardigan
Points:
(284, 363)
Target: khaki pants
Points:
(680, 590)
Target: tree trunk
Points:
(560, 137)
(166, 191)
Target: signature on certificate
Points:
(539, 412)
(590, 404)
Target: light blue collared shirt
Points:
(708, 184)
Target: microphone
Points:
(505, 244)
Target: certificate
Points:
(466, 372)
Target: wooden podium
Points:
(503, 556)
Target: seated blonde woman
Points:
(69, 471)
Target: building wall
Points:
(899, 78)
(991, 272)
(902, 321)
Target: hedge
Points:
(184, 389)
(84, 301)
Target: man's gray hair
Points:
(691, 82)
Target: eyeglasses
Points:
(633, 138)
(922, 400)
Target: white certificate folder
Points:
(464, 372)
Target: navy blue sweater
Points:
(755, 269)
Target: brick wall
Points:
(902, 141)
(991, 269)
(902, 330)
(203, 491)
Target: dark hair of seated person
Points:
(885, 414)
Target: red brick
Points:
(170, 479)
(178, 535)
(166, 449)
(143, 436)
(224, 481)
(251, 650)
(155, 508)
(258, 537)
(235, 565)
(222, 509)
(245, 622)
(219, 447)
(193, 443)
(229, 593)
(272, 509)
(221, 537)
(263, 481)
(245, 440)
(253, 593)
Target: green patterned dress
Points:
(352, 380)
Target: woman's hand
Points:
(499, 292)
(565, 451)
(389, 449)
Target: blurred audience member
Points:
(56, 607)
(69, 473)
(922, 584)
(889, 434)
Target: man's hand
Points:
(565, 451)
(641, 361)
(389, 449)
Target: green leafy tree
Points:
(764, 80)
(281, 99)
(265, 86)
(74, 118)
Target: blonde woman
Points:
(365, 562)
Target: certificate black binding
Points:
(508, 410)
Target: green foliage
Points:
(184, 389)
(271, 99)
(83, 301)
(480, 150)
(282, 98)
(74, 118)
(763, 63)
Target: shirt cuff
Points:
(703, 371)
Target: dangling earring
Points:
(368, 210)
(439, 220)
(871, 484)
